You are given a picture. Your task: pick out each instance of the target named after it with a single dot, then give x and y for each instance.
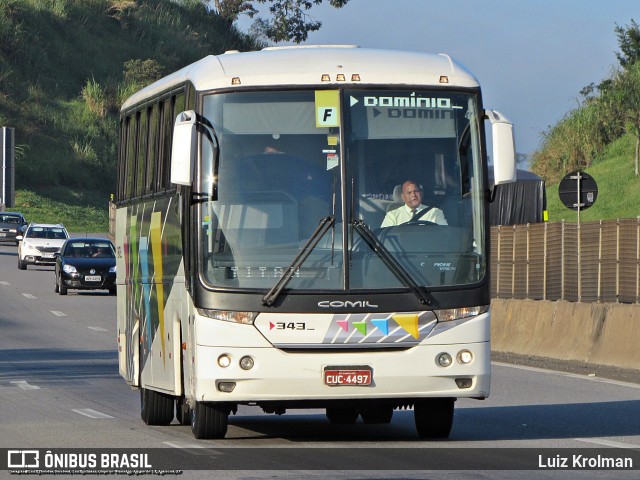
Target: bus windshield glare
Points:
(398, 172)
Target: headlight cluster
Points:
(69, 268)
(464, 357)
(246, 362)
(245, 318)
(451, 314)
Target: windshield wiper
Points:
(390, 261)
(273, 294)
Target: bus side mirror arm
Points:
(504, 148)
(183, 148)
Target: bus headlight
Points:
(224, 360)
(444, 360)
(246, 363)
(245, 318)
(465, 357)
(451, 314)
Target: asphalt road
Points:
(60, 388)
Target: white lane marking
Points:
(28, 295)
(608, 443)
(98, 329)
(186, 445)
(24, 385)
(566, 374)
(58, 313)
(4, 282)
(193, 449)
(87, 412)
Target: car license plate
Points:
(47, 255)
(3, 234)
(92, 278)
(360, 376)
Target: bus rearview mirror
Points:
(183, 148)
(504, 148)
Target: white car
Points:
(40, 243)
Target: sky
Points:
(532, 57)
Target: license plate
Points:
(3, 234)
(92, 278)
(344, 376)
(47, 255)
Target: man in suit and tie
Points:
(413, 208)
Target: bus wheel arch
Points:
(183, 411)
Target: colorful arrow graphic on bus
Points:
(382, 325)
(407, 321)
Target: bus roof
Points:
(305, 65)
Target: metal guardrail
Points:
(591, 262)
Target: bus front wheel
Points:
(209, 420)
(434, 417)
(156, 408)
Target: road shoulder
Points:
(579, 368)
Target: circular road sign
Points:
(578, 190)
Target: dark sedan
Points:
(86, 264)
(11, 225)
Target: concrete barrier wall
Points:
(604, 334)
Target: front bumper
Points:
(78, 281)
(283, 377)
(39, 260)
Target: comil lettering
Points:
(347, 304)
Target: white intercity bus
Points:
(253, 267)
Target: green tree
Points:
(289, 18)
(629, 42)
(625, 95)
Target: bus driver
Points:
(413, 208)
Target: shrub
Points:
(95, 97)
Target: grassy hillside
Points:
(61, 205)
(618, 188)
(63, 75)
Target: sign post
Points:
(578, 191)
(7, 177)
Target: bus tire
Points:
(434, 417)
(209, 420)
(156, 408)
(377, 414)
(342, 415)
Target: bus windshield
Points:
(401, 165)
